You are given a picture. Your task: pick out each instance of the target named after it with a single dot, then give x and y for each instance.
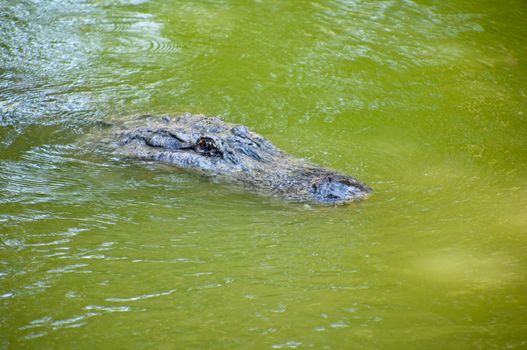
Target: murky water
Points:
(425, 101)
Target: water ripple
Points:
(49, 70)
(71, 322)
(142, 297)
(41, 51)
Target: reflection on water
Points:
(424, 101)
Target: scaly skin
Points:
(215, 148)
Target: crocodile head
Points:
(232, 152)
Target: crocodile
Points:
(234, 153)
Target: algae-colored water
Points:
(426, 101)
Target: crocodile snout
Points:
(338, 189)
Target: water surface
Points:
(425, 101)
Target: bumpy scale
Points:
(216, 148)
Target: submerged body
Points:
(213, 147)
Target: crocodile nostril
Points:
(336, 189)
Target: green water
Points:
(425, 101)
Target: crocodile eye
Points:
(207, 146)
